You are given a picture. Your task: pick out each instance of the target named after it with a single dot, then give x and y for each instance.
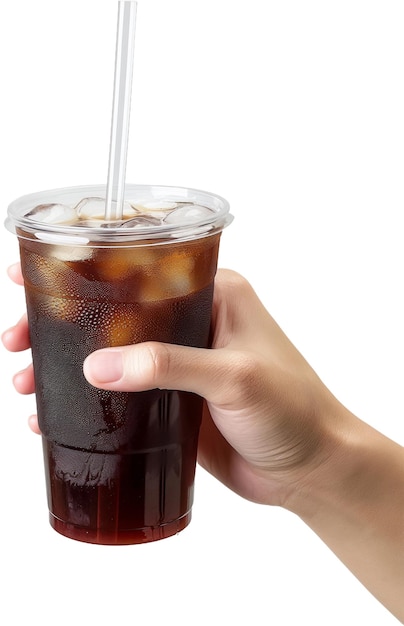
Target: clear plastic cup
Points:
(119, 466)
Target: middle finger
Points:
(24, 381)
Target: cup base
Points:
(122, 537)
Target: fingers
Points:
(14, 272)
(33, 424)
(24, 381)
(153, 365)
(16, 338)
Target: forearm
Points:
(355, 504)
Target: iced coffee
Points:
(119, 466)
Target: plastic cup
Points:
(119, 467)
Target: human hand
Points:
(266, 412)
(263, 418)
(275, 434)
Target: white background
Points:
(292, 110)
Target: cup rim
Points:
(18, 223)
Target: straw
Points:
(125, 45)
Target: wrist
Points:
(354, 501)
(336, 465)
(355, 470)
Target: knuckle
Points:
(248, 373)
(159, 362)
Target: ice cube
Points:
(52, 214)
(172, 277)
(120, 263)
(155, 208)
(94, 208)
(71, 253)
(188, 213)
(141, 221)
(59, 308)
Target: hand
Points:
(264, 404)
(266, 410)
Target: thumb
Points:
(152, 365)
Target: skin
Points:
(272, 431)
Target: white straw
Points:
(125, 46)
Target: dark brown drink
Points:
(119, 466)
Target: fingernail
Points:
(104, 366)
(17, 375)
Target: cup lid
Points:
(74, 215)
